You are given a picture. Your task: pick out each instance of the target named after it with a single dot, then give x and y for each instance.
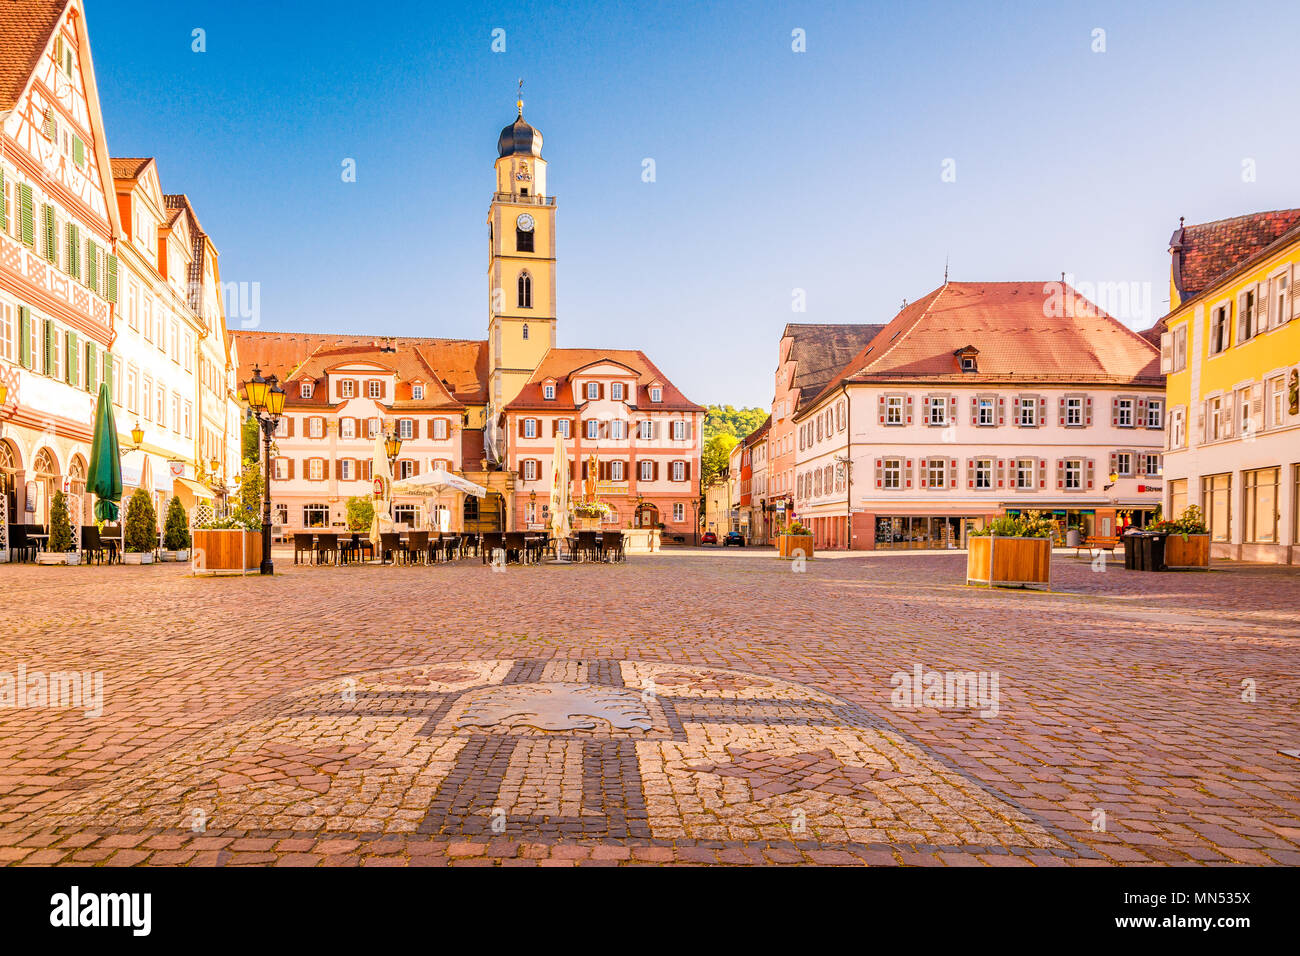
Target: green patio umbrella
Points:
(105, 478)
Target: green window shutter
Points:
(108, 371)
(74, 251)
(70, 371)
(47, 127)
(110, 270)
(51, 344)
(25, 336)
(50, 227)
(78, 151)
(92, 265)
(91, 367)
(27, 228)
(58, 50)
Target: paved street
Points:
(687, 707)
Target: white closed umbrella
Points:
(559, 490)
(383, 520)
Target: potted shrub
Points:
(233, 542)
(589, 515)
(795, 540)
(360, 514)
(1187, 545)
(62, 547)
(176, 532)
(141, 530)
(1011, 552)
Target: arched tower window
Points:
(525, 291)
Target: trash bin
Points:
(1144, 551)
(1131, 546)
(1155, 551)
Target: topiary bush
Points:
(141, 524)
(60, 525)
(176, 532)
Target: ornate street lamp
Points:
(392, 448)
(266, 402)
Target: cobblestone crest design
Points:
(550, 750)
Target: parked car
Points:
(734, 537)
(709, 538)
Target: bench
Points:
(1097, 543)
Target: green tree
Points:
(249, 435)
(247, 506)
(714, 458)
(60, 525)
(141, 523)
(728, 420)
(361, 512)
(176, 532)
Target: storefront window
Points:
(1216, 498)
(315, 516)
(1261, 488)
(918, 532)
(1177, 498)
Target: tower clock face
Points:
(525, 223)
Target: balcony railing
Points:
(525, 200)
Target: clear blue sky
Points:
(775, 170)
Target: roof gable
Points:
(1203, 253)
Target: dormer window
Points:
(616, 391)
(417, 393)
(346, 388)
(656, 393)
(593, 391)
(548, 391)
(968, 363)
(306, 389)
(374, 388)
(967, 358)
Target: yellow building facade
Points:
(1230, 349)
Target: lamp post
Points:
(266, 402)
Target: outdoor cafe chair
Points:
(391, 545)
(417, 546)
(303, 544)
(20, 544)
(534, 548)
(90, 543)
(111, 538)
(588, 545)
(514, 545)
(451, 545)
(327, 546)
(489, 544)
(355, 548)
(611, 545)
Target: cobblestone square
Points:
(691, 706)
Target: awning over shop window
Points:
(197, 489)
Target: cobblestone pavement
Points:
(699, 707)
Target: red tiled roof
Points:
(407, 362)
(819, 352)
(753, 437)
(129, 167)
(1204, 252)
(25, 30)
(1017, 336)
(560, 364)
(461, 364)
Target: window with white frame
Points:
(985, 412)
(656, 394)
(1151, 465)
(893, 409)
(1073, 474)
(1214, 419)
(1028, 410)
(983, 473)
(281, 469)
(146, 398)
(1123, 464)
(1025, 468)
(645, 470)
(374, 388)
(1246, 327)
(936, 472)
(315, 469)
(1220, 321)
(616, 391)
(679, 511)
(530, 428)
(645, 430)
(1155, 413)
(1278, 310)
(405, 468)
(1177, 429)
(1276, 402)
(618, 429)
(346, 388)
(530, 470)
(891, 473)
(345, 470)
(1179, 344)
(282, 427)
(347, 428)
(562, 428)
(616, 471)
(1244, 413)
(406, 429)
(188, 423)
(7, 330)
(417, 393)
(372, 427)
(593, 391)
(679, 431)
(1124, 412)
(315, 427)
(548, 391)
(1074, 411)
(306, 390)
(679, 471)
(440, 429)
(593, 428)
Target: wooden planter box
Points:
(1190, 554)
(137, 557)
(788, 544)
(58, 557)
(229, 549)
(1009, 562)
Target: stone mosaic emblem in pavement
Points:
(616, 750)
